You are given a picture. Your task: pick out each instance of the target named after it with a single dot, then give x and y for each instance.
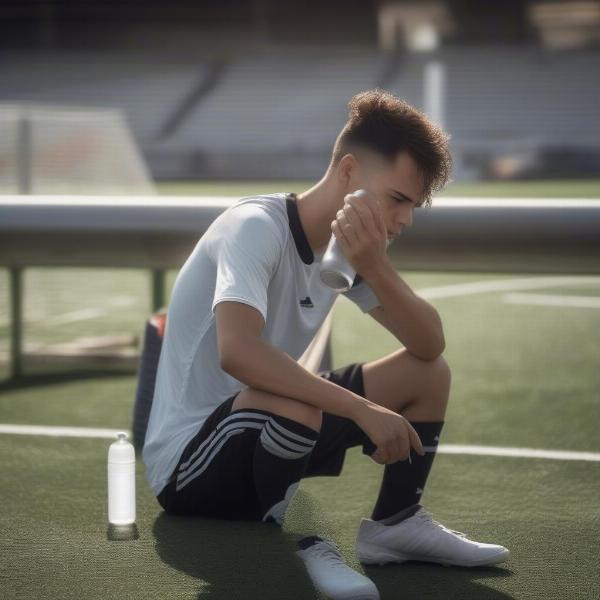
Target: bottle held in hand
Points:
(336, 272)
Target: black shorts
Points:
(224, 487)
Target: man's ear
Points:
(349, 172)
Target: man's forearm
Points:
(415, 322)
(260, 365)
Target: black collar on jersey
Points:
(302, 245)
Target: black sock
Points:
(281, 457)
(403, 483)
(308, 541)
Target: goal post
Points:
(56, 149)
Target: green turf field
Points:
(524, 376)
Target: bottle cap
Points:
(336, 280)
(121, 451)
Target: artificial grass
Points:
(55, 542)
(522, 376)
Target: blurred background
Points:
(257, 89)
(153, 99)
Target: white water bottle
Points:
(121, 481)
(335, 271)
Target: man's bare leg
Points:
(415, 388)
(286, 407)
(419, 391)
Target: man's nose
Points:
(406, 217)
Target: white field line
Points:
(519, 452)
(59, 431)
(552, 300)
(444, 291)
(505, 285)
(90, 432)
(83, 314)
(89, 313)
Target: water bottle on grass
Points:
(121, 481)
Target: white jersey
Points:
(255, 252)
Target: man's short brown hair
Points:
(387, 125)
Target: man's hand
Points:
(389, 431)
(361, 231)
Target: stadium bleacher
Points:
(291, 101)
(145, 87)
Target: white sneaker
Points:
(332, 576)
(419, 537)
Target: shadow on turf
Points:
(420, 581)
(233, 559)
(31, 380)
(243, 559)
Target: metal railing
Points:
(514, 235)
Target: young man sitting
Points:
(236, 422)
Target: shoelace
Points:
(427, 517)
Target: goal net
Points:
(48, 149)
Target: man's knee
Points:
(441, 378)
(301, 412)
(441, 368)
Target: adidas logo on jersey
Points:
(307, 302)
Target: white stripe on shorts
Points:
(277, 449)
(182, 481)
(281, 446)
(232, 417)
(203, 462)
(295, 436)
(220, 434)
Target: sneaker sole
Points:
(370, 554)
(360, 596)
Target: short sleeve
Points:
(362, 295)
(248, 253)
